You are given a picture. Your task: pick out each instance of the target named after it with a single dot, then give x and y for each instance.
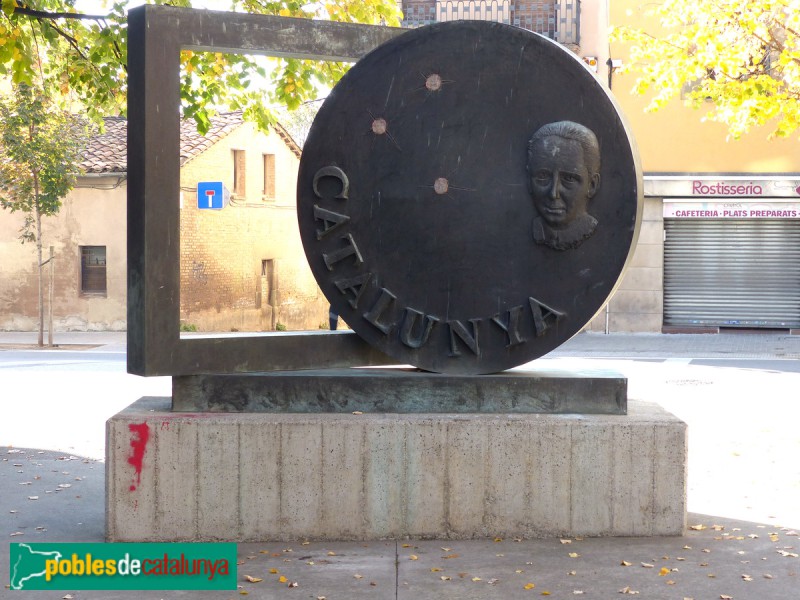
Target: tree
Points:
(40, 153)
(740, 59)
(85, 56)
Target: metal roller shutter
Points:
(732, 273)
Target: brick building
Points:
(242, 267)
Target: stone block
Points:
(403, 390)
(333, 476)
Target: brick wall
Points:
(224, 252)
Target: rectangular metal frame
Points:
(156, 35)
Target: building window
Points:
(238, 173)
(93, 270)
(269, 177)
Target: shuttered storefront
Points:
(732, 272)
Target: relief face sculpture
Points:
(563, 175)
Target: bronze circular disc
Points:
(434, 231)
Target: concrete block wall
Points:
(259, 477)
(638, 304)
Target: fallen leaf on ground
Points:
(574, 555)
(747, 578)
(282, 579)
(725, 597)
(357, 412)
(413, 557)
(444, 577)
(498, 539)
(625, 563)
(293, 584)
(477, 579)
(628, 590)
(647, 565)
(357, 576)
(252, 579)
(566, 541)
(435, 569)
(697, 527)
(274, 571)
(529, 586)
(33, 497)
(663, 571)
(450, 556)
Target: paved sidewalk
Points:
(744, 489)
(728, 344)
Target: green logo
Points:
(83, 566)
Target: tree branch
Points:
(43, 14)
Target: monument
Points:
(468, 199)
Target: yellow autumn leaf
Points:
(273, 571)
(498, 539)
(435, 569)
(697, 527)
(574, 555)
(545, 593)
(284, 12)
(477, 579)
(282, 579)
(413, 557)
(529, 586)
(663, 571)
(252, 579)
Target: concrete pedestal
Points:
(261, 476)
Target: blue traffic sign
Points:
(212, 194)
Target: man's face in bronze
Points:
(560, 182)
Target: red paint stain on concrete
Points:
(140, 434)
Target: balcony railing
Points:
(557, 19)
